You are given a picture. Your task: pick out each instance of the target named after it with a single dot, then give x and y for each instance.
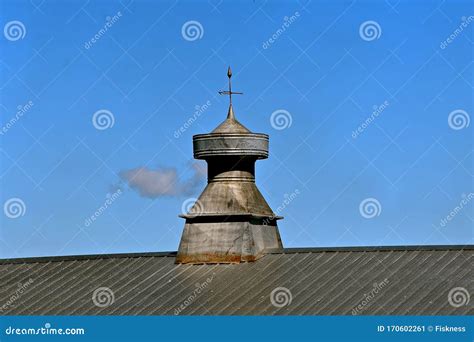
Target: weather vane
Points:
(229, 92)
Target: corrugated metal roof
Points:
(320, 281)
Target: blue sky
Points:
(378, 99)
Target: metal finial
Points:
(229, 92)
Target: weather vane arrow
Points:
(229, 92)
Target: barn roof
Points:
(414, 280)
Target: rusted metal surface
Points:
(208, 258)
(230, 222)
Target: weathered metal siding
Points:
(230, 242)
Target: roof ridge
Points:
(275, 251)
(57, 258)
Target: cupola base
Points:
(234, 239)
